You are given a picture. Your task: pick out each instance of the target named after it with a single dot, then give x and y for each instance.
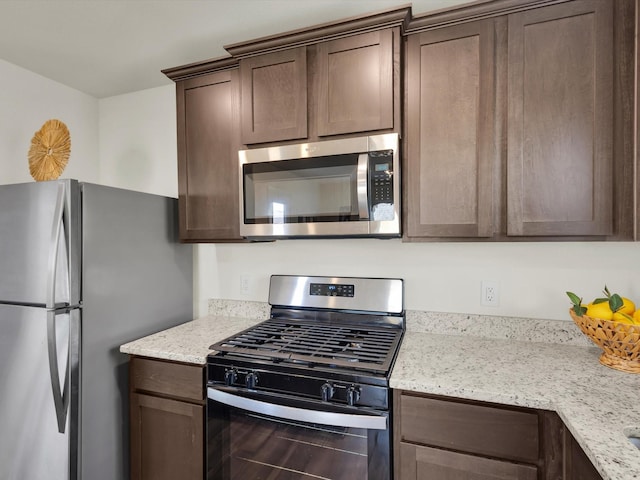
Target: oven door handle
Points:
(372, 422)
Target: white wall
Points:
(138, 141)
(27, 101)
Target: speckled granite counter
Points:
(190, 341)
(477, 358)
(595, 402)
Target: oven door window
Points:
(244, 445)
(322, 189)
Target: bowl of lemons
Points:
(612, 322)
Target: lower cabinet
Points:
(452, 439)
(577, 464)
(167, 420)
(425, 463)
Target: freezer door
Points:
(31, 444)
(40, 247)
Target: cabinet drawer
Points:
(428, 463)
(167, 378)
(480, 429)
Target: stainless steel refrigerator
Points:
(83, 269)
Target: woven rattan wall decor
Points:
(50, 150)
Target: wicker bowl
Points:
(620, 342)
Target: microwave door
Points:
(313, 190)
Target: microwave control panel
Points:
(381, 178)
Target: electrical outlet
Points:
(490, 293)
(244, 284)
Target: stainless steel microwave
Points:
(336, 188)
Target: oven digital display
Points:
(331, 290)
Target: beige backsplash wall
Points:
(440, 277)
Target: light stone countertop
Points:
(472, 357)
(596, 403)
(189, 342)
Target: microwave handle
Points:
(362, 186)
(373, 422)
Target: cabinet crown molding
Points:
(398, 16)
(469, 12)
(190, 70)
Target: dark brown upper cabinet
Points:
(346, 85)
(450, 132)
(520, 122)
(560, 120)
(338, 78)
(355, 81)
(274, 96)
(208, 122)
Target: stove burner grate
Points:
(334, 344)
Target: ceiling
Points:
(111, 47)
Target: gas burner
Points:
(316, 343)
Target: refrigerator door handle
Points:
(60, 398)
(53, 246)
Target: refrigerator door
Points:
(137, 280)
(39, 251)
(31, 444)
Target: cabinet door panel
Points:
(167, 378)
(355, 83)
(479, 429)
(425, 463)
(274, 96)
(560, 135)
(167, 439)
(208, 144)
(450, 103)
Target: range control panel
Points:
(331, 289)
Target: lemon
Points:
(622, 318)
(627, 307)
(636, 317)
(599, 310)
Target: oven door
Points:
(254, 435)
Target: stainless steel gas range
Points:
(305, 394)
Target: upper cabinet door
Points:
(355, 81)
(274, 96)
(560, 120)
(450, 131)
(208, 144)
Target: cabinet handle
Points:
(362, 187)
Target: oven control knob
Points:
(230, 376)
(353, 395)
(251, 380)
(327, 392)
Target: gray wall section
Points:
(137, 280)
